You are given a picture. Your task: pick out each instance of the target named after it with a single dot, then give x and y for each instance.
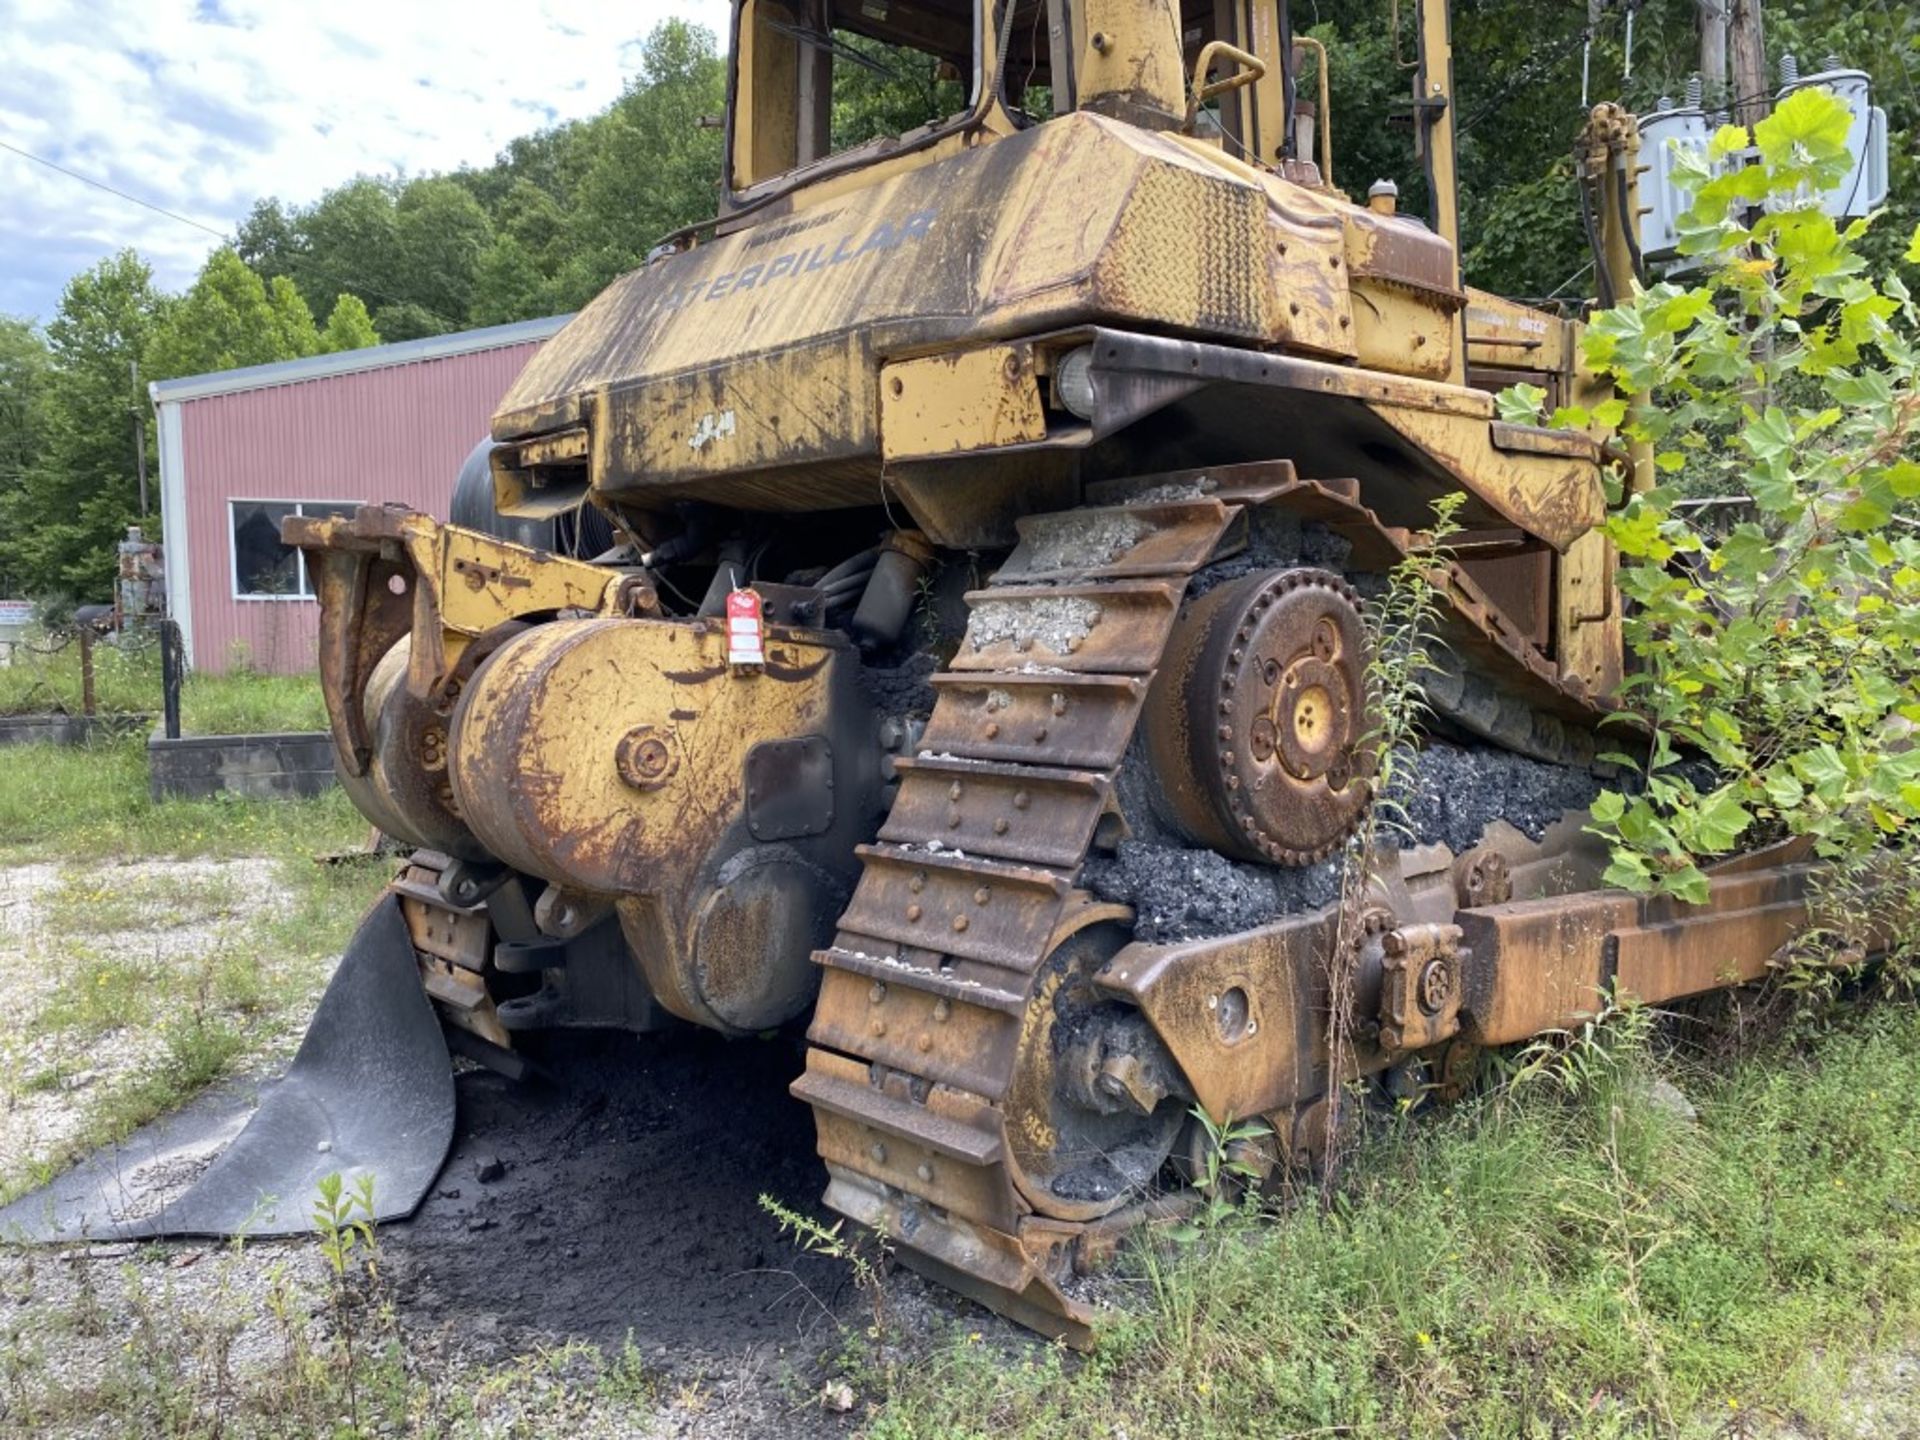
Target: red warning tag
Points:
(746, 629)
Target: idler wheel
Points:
(1257, 724)
(1094, 1102)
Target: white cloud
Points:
(204, 106)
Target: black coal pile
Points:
(1275, 541)
(1179, 893)
(904, 689)
(1449, 794)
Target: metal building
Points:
(241, 449)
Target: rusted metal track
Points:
(453, 945)
(940, 965)
(939, 957)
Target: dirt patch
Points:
(620, 1195)
(611, 1203)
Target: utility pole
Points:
(1713, 50)
(139, 435)
(1751, 96)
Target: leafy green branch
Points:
(1780, 650)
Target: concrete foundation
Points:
(67, 729)
(284, 766)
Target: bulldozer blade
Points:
(370, 1091)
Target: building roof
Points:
(349, 362)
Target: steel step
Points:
(1076, 722)
(1116, 542)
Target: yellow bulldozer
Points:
(947, 630)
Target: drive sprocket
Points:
(1259, 724)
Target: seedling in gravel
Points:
(344, 1219)
(865, 1260)
(342, 1232)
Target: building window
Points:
(263, 568)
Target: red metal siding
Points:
(393, 434)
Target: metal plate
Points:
(790, 788)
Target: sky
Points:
(202, 107)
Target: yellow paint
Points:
(536, 764)
(463, 583)
(949, 404)
(1558, 498)
(1587, 614)
(1131, 64)
(1402, 332)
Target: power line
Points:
(102, 185)
(225, 237)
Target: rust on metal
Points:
(1257, 724)
(1010, 812)
(1241, 1015)
(1117, 628)
(1420, 993)
(922, 339)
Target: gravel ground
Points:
(51, 1075)
(593, 1260)
(1880, 1400)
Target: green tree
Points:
(229, 318)
(1785, 649)
(348, 327)
(509, 284)
(898, 90)
(269, 240)
(551, 160)
(25, 375)
(293, 330)
(1885, 41)
(440, 233)
(349, 240)
(655, 168)
(59, 525)
(517, 278)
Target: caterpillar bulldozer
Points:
(928, 605)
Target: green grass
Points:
(87, 903)
(1528, 1265)
(242, 703)
(329, 1357)
(246, 985)
(92, 801)
(45, 678)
